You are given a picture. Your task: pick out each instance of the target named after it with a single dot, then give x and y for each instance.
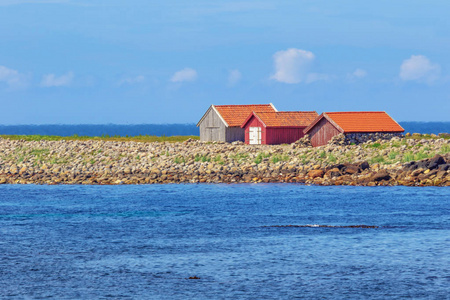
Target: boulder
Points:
(364, 165)
(315, 173)
(435, 162)
(351, 169)
(381, 175)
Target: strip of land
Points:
(418, 161)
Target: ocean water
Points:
(146, 241)
(165, 129)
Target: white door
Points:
(255, 135)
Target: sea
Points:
(165, 129)
(224, 241)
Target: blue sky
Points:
(130, 62)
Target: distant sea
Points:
(165, 129)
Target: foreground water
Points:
(95, 242)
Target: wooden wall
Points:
(284, 135)
(212, 128)
(322, 132)
(254, 122)
(235, 134)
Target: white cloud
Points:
(132, 80)
(292, 65)
(234, 76)
(359, 73)
(12, 78)
(185, 75)
(419, 68)
(51, 80)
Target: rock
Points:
(436, 161)
(381, 175)
(364, 165)
(334, 172)
(444, 167)
(315, 173)
(351, 169)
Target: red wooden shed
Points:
(329, 124)
(270, 128)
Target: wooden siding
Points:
(322, 132)
(283, 135)
(254, 122)
(234, 134)
(212, 128)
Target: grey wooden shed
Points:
(223, 122)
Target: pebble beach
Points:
(399, 161)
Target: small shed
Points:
(359, 125)
(223, 122)
(270, 128)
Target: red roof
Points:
(235, 115)
(360, 121)
(284, 118)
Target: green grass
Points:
(239, 157)
(377, 160)
(393, 154)
(75, 137)
(277, 158)
(410, 156)
(332, 158)
(202, 158)
(179, 160)
(445, 149)
(260, 157)
(322, 154)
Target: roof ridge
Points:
(242, 105)
(293, 111)
(353, 112)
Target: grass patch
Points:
(415, 157)
(239, 157)
(259, 158)
(332, 158)
(179, 160)
(277, 158)
(322, 154)
(75, 137)
(393, 154)
(377, 160)
(202, 158)
(445, 149)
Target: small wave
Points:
(326, 226)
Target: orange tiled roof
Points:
(365, 121)
(235, 115)
(287, 118)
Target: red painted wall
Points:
(283, 135)
(322, 132)
(254, 122)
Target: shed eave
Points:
(217, 112)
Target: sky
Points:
(153, 62)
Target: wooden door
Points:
(254, 135)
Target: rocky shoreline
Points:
(399, 161)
